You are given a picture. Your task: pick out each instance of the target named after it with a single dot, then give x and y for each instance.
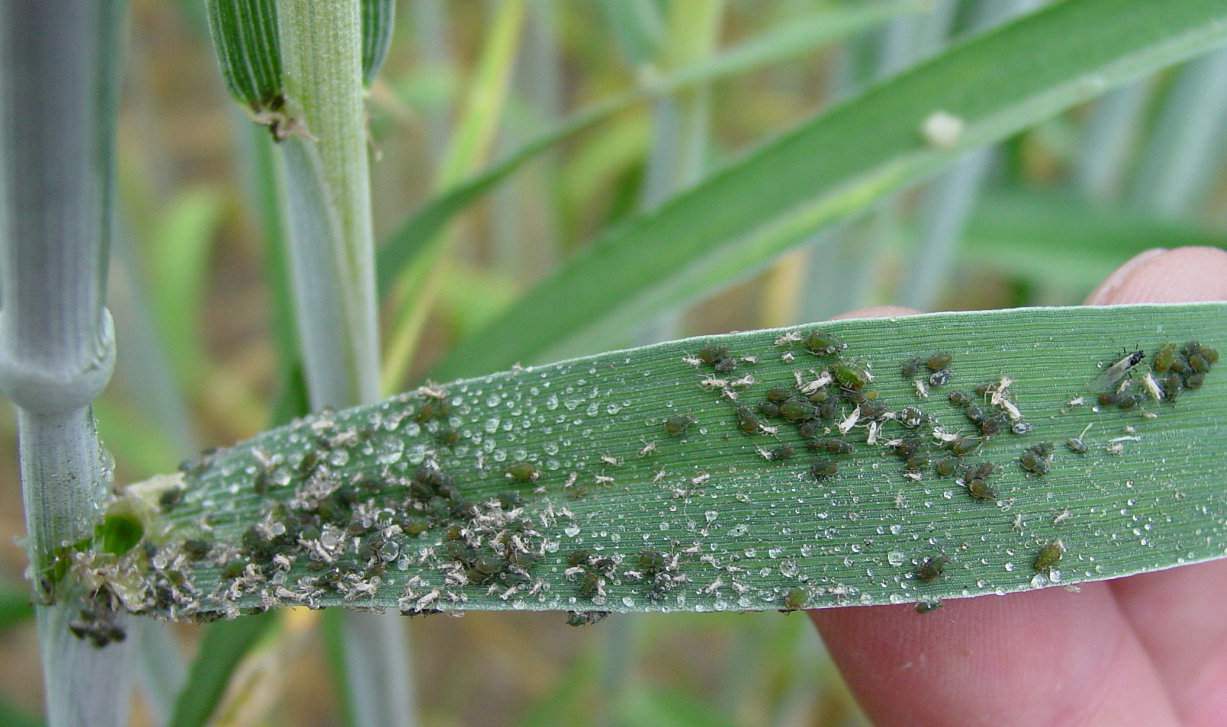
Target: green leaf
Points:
(838, 165)
(644, 449)
(248, 50)
(411, 244)
(378, 21)
(1059, 238)
(224, 645)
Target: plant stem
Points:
(327, 200)
(57, 119)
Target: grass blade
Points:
(838, 164)
(409, 244)
(224, 645)
(581, 457)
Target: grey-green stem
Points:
(57, 115)
(328, 205)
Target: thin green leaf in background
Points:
(836, 166)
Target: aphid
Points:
(1112, 375)
(651, 561)
(980, 490)
(746, 421)
(778, 395)
(965, 445)
(712, 353)
(939, 378)
(1107, 398)
(1020, 427)
(928, 606)
(169, 499)
(834, 445)
(991, 425)
(1127, 401)
(1194, 381)
(196, 548)
(589, 585)
(875, 409)
(1037, 459)
(1164, 358)
(725, 365)
(947, 466)
(911, 367)
(851, 376)
(523, 472)
(959, 399)
(782, 453)
(819, 396)
(931, 568)
(796, 410)
(1049, 556)
(824, 469)
(822, 344)
(938, 361)
(795, 599)
(1075, 444)
(676, 425)
(585, 618)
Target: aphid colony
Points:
(331, 532)
(1173, 370)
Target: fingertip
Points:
(1179, 275)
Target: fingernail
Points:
(1105, 290)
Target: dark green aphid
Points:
(873, 409)
(824, 469)
(782, 453)
(959, 399)
(1037, 459)
(983, 470)
(1127, 401)
(1049, 556)
(796, 410)
(1194, 381)
(928, 606)
(432, 409)
(819, 396)
(589, 585)
(931, 568)
(1209, 354)
(1076, 445)
(448, 437)
(586, 618)
(947, 466)
(676, 426)
(851, 376)
(939, 361)
(1198, 363)
(1164, 358)
(1020, 427)
(170, 498)
(523, 472)
(965, 445)
(578, 557)
(980, 490)
(233, 569)
(768, 409)
(1107, 398)
(1172, 385)
(510, 500)
(196, 548)
(834, 445)
(489, 565)
(822, 344)
(828, 410)
(711, 354)
(725, 365)
(810, 429)
(991, 425)
(746, 421)
(778, 394)
(795, 599)
(975, 413)
(911, 367)
(906, 448)
(651, 561)
(916, 463)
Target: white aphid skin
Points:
(850, 421)
(1062, 517)
(1152, 387)
(922, 389)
